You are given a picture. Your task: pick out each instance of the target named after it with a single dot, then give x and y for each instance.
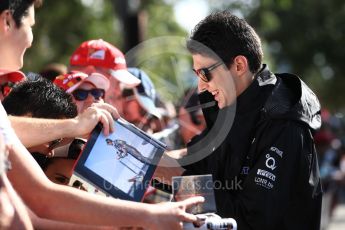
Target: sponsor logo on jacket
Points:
(277, 151)
(266, 174)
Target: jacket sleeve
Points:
(262, 199)
(201, 166)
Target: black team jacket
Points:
(265, 171)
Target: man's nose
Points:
(202, 86)
(91, 99)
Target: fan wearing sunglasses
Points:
(112, 65)
(85, 89)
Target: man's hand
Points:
(171, 215)
(97, 112)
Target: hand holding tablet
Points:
(122, 164)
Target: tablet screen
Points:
(121, 164)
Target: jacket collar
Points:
(251, 98)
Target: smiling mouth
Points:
(215, 93)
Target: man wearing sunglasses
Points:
(266, 161)
(85, 89)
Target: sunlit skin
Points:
(227, 82)
(19, 38)
(60, 170)
(113, 94)
(43, 149)
(83, 105)
(53, 202)
(7, 210)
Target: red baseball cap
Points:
(100, 53)
(8, 79)
(15, 76)
(71, 81)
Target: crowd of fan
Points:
(59, 92)
(330, 144)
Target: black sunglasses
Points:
(204, 73)
(82, 94)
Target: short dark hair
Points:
(41, 99)
(18, 8)
(227, 36)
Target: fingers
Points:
(112, 110)
(192, 201)
(97, 112)
(187, 217)
(173, 214)
(107, 115)
(108, 123)
(104, 121)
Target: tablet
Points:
(122, 164)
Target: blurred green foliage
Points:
(305, 37)
(62, 25)
(163, 55)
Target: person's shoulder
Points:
(287, 125)
(286, 132)
(2, 112)
(292, 99)
(6, 128)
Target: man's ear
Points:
(5, 20)
(241, 64)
